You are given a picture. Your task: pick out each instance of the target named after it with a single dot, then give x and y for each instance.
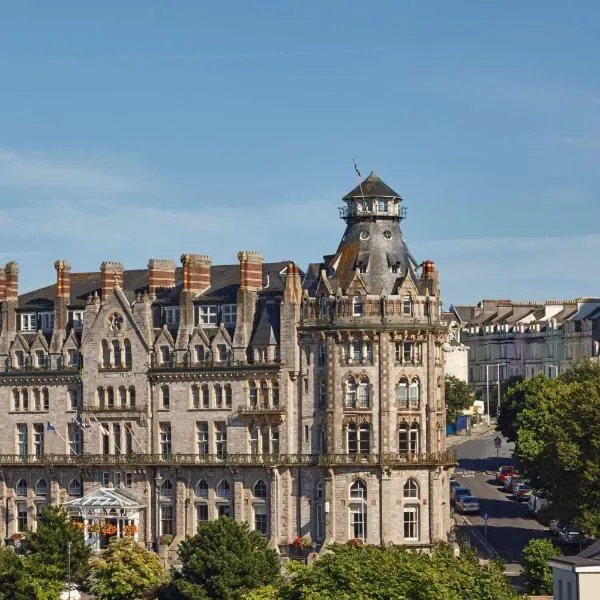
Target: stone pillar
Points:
(238, 500)
(181, 510)
(273, 506)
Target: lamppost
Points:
(69, 544)
(158, 482)
(487, 386)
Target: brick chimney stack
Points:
(250, 270)
(111, 276)
(63, 279)
(196, 272)
(61, 303)
(161, 274)
(2, 285)
(11, 278)
(293, 286)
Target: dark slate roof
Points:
(372, 186)
(464, 313)
(592, 551)
(225, 280)
(267, 329)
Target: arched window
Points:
(358, 509)
(41, 487)
(264, 394)
(411, 489)
(275, 439)
(228, 396)
(101, 397)
(21, 488)
(110, 397)
(320, 491)
(45, 399)
(357, 306)
(116, 353)
(402, 393)
(202, 489)
(128, 354)
(351, 390)
(40, 357)
(74, 488)
(195, 396)
(123, 396)
(252, 394)
(414, 438)
(105, 355)
(403, 438)
(205, 396)
(414, 393)
(131, 396)
(199, 354)
(223, 490)
(25, 398)
(363, 400)
(16, 400)
(260, 489)
(275, 393)
(167, 488)
(37, 400)
(165, 397)
(218, 395)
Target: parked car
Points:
(467, 504)
(453, 485)
(537, 501)
(569, 535)
(510, 483)
(458, 493)
(503, 472)
(521, 491)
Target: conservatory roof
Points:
(103, 498)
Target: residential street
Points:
(509, 526)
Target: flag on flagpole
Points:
(128, 428)
(356, 169)
(78, 422)
(50, 427)
(103, 429)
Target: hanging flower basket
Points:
(356, 543)
(77, 525)
(94, 528)
(108, 529)
(301, 543)
(16, 537)
(129, 530)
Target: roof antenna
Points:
(359, 177)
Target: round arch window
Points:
(387, 234)
(364, 234)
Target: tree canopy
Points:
(49, 544)
(535, 572)
(126, 571)
(459, 396)
(554, 424)
(394, 573)
(25, 578)
(224, 560)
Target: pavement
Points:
(478, 430)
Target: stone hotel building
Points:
(307, 403)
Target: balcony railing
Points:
(260, 410)
(266, 460)
(120, 367)
(141, 409)
(211, 364)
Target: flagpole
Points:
(102, 429)
(359, 177)
(130, 429)
(53, 428)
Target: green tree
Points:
(126, 571)
(223, 561)
(459, 396)
(22, 579)
(48, 545)
(535, 572)
(394, 573)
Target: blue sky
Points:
(136, 130)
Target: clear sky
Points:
(135, 130)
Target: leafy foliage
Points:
(395, 573)
(459, 396)
(48, 544)
(554, 424)
(535, 572)
(223, 561)
(23, 578)
(126, 570)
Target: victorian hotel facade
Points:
(310, 404)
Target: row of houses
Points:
(504, 339)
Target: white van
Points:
(537, 501)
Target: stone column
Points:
(238, 500)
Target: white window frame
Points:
(172, 315)
(47, 321)
(28, 322)
(411, 510)
(207, 314)
(357, 306)
(76, 318)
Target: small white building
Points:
(575, 578)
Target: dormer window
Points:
(229, 314)
(172, 315)
(394, 268)
(76, 317)
(28, 321)
(407, 305)
(357, 306)
(361, 268)
(47, 321)
(207, 315)
(382, 206)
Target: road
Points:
(509, 525)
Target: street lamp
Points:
(158, 482)
(69, 544)
(487, 386)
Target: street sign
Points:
(497, 441)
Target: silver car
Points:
(467, 504)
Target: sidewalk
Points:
(477, 431)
